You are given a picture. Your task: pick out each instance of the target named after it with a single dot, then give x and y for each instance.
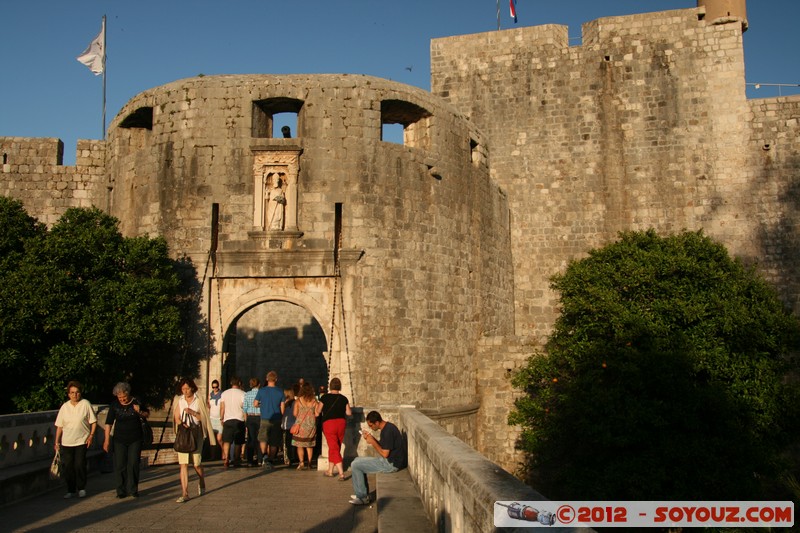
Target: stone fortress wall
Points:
(645, 124)
(526, 154)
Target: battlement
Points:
(20, 152)
(32, 171)
(548, 35)
(23, 154)
(661, 24)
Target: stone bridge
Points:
(448, 486)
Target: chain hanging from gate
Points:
(338, 294)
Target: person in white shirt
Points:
(190, 410)
(231, 411)
(213, 410)
(75, 427)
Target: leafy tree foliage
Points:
(665, 377)
(20, 327)
(83, 302)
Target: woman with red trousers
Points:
(334, 408)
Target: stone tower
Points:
(388, 261)
(640, 126)
(725, 11)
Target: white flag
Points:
(94, 56)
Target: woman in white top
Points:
(191, 410)
(75, 427)
(213, 409)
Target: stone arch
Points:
(240, 296)
(247, 299)
(276, 335)
(140, 118)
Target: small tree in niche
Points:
(666, 377)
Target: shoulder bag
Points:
(185, 441)
(147, 430)
(295, 429)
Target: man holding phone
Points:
(392, 456)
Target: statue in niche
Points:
(274, 202)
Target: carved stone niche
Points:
(275, 172)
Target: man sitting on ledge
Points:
(392, 456)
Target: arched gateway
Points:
(282, 325)
(276, 335)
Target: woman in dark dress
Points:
(124, 416)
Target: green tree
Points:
(665, 377)
(20, 326)
(103, 308)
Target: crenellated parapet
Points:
(32, 170)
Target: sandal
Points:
(182, 499)
(301, 466)
(328, 474)
(342, 478)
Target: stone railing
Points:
(29, 437)
(26, 448)
(25, 438)
(458, 485)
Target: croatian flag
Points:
(513, 9)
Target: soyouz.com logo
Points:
(643, 514)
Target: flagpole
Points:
(105, 30)
(498, 15)
(94, 57)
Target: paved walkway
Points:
(237, 500)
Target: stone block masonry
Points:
(643, 125)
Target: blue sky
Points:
(46, 92)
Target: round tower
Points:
(724, 11)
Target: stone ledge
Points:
(278, 263)
(399, 505)
(457, 485)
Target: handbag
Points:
(56, 467)
(147, 432)
(185, 441)
(295, 429)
